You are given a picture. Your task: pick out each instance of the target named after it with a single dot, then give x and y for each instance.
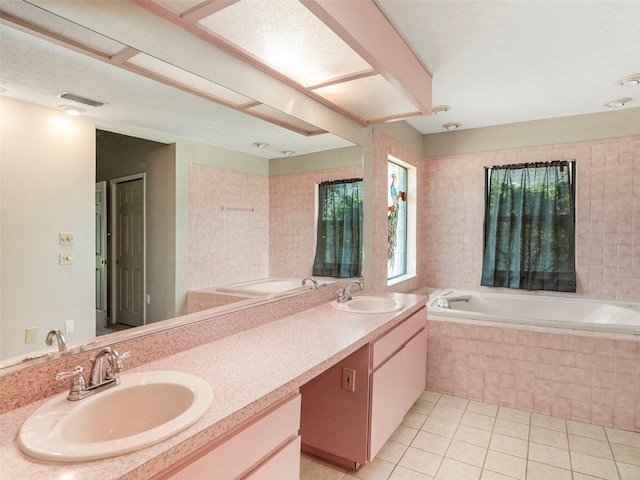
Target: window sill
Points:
(401, 279)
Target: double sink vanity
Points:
(334, 380)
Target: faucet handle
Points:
(78, 383)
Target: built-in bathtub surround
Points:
(292, 218)
(18, 388)
(607, 211)
(572, 374)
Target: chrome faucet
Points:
(344, 294)
(99, 379)
(57, 334)
(445, 302)
(312, 280)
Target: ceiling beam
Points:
(366, 30)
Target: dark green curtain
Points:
(339, 244)
(530, 227)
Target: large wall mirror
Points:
(227, 197)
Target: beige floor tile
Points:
(596, 466)
(510, 445)
(392, 451)
(628, 472)
(482, 408)
(584, 476)
(589, 446)
(506, 464)
(489, 475)
(547, 436)
(476, 420)
(556, 457)
(421, 461)
(473, 435)
(414, 420)
(440, 426)
(401, 473)
(348, 476)
(540, 471)
(546, 421)
(376, 470)
(318, 471)
(623, 437)
(454, 470)
(467, 453)
(429, 396)
(626, 454)
(304, 462)
(511, 429)
(455, 402)
(511, 414)
(447, 412)
(423, 407)
(431, 442)
(586, 430)
(404, 435)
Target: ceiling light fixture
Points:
(288, 152)
(440, 109)
(70, 110)
(452, 126)
(619, 103)
(77, 98)
(261, 144)
(631, 81)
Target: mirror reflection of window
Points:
(397, 221)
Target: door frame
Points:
(113, 183)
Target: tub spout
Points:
(445, 302)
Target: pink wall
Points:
(585, 376)
(292, 214)
(227, 245)
(608, 214)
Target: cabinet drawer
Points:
(285, 465)
(248, 448)
(390, 342)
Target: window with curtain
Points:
(529, 240)
(339, 241)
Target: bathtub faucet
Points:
(445, 302)
(344, 294)
(312, 280)
(57, 334)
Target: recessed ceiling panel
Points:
(179, 76)
(294, 122)
(370, 98)
(48, 22)
(180, 6)
(287, 37)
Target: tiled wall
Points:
(579, 375)
(608, 214)
(292, 218)
(228, 226)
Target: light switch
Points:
(65, 238)
(65, 258)
(69, 326)
(30, 335)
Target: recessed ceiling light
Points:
(452, 126)
(261, 144)
(619, 103)
(70, 110)
(631, 81)
(440, 109)
(288, 152)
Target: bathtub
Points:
(271, 287)
(549, 311)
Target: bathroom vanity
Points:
(264, 380)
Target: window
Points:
(530, 227)
(397, 221)
(339, 240)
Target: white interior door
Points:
(101, 252)
(129, 247)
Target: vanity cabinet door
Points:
(395, 386)
(285, 465)
(249, 448)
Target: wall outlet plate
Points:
(348, 379)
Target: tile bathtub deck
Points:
(450, 438)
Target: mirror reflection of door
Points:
(128, 281)
(101, 255)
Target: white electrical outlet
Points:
(69, 326)
(65, 258)
(65, 238)
(30, 335)
(348, 379)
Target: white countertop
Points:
(248, 371)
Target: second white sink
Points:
(144, 409)
(368, 304)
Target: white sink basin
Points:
(368, 304)
(144, 409)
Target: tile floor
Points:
(451, 438)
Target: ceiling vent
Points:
(77, 98)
